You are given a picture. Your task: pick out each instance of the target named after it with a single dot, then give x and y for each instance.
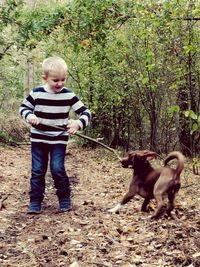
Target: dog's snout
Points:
(124, 164)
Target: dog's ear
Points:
(131, 154)
(147, 154)
(128, 160)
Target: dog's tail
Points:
(180, 158)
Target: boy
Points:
(47, 106)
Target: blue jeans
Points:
(40, 157)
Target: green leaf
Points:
(189, 48)
(150, 66)
(187, 113)
(193, 116)
(194, 128)
(174, 109)
(145, 80)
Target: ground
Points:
(89, 236)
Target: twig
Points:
(195, 169)
(23, 144)
(102, 144)
(85, 137)
(185, 186)
(160, 156)
(1, 202)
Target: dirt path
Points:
(89, 235)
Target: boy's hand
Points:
(33, 120)
(73, 126)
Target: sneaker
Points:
(34, 208)
(65, 205)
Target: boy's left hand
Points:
(73, 126)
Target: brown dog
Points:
(152, 183)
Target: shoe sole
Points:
(33, 212)
(64, 210)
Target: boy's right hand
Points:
(33, 120)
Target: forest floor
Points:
(88, 235)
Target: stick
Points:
(186, 186)
(85, 137)
(102, 144)
(1, 202)
(195, 169)
(160, 156)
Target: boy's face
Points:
(55, 80)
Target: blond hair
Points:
(54, 64)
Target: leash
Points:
(84, 137)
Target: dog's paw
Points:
(115, 209)
(111, 210)
(172, 216)
(155, 217)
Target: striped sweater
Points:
(52, 109)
